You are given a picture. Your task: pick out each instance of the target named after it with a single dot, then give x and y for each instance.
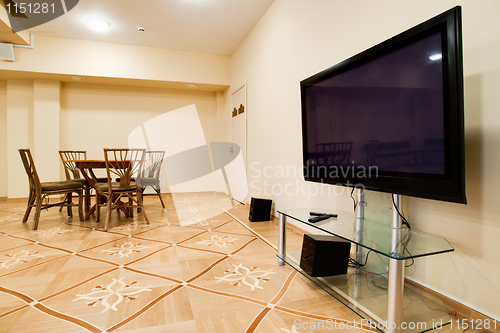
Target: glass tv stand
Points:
(395, 244)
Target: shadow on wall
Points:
(190, 164)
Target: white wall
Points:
(298, 38)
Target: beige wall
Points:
(95, 117)
(46, 119)
(47, 116)
(296, 39)
(20, 134)
(89, 58)
(3, 139)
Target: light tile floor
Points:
(194, 268)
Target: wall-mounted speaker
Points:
(7, 52)
(324, 255)
(260, 210)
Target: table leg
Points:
(282, 239)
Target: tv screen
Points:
(390, 119)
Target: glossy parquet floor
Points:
(193, 269)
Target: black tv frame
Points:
(448, 187)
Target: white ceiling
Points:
(213, 26)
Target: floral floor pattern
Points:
(199, 271)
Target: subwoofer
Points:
(324, 255)
(260, 210)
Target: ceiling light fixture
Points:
(436, 56)
(190, 85)
(98, 24)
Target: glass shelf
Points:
(399, 244)
(365, 293)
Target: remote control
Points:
(318, 218)
(322, 214)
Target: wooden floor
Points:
(195, 268)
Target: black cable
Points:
(408, 236)
(354, 200)
(405, 221)
(357, 264)
(412, 260)
(373, 282)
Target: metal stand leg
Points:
(396, 274)
(360, 216)
(395, 295)
(282, 239)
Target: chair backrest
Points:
(124, 163)
(152, 164)
(29, 166)
(68, 158)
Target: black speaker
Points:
(260, 210)
(324, 255)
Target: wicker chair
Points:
(40, 191)
(68, 158)
(124, 164)
(150, 175)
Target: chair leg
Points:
(38, 209)
(158, 191)
(87, 198)
(108, 214)
(80, 205)
(131, 208)
(139, 200)
(98, 206)
(31, 200)
(142, 189)
(69, 202)
(65, 200)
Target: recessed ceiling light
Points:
(76, 78)
(98, 24)
(190, 85)
(436, 56)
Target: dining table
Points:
(87, 170)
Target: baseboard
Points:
(463, 311)
(16, 199)
(3, 198)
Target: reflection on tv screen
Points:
(387, 113)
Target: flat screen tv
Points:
(391, 118)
